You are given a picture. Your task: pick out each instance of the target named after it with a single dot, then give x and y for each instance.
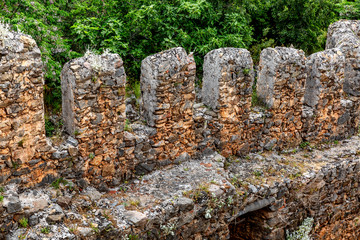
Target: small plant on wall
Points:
(303, 232)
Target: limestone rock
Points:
(13, 204)
(135, 218)
(55, 218)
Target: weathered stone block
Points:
(227, 87)
(280, 86)
(22, 126)
(325, 114)
(167, 87)
(344, 35)
(94, 108)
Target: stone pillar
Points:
(93, 89)
(167, 87)
(280, 86)
(344, 35)
(227, 88)
(326, 110)
(22, 129)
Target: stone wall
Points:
(93, 89)
(344, 35)
(280, 86)
(328, 196)
(22, 129)
(172, 126)
(306, 99)
(227, 89)
(326, 110)
(167, 87)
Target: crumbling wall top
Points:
(343, 33)
(154, 70)
(274, 68)
(214, 62)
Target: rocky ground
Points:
(64, 210)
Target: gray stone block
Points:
(274, 65)
(214, 62)
(154, 67)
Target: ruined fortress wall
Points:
(329, 196)
(326, 109)
(104, 148)
(308, 99)
(93, 89)
(280, 87)
(344, 35)
(22, 127)
(227, 88)
(167, 87)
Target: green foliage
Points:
(133, 237)
(259, 46)
(22, 236)
(246, 71)
(45, 230)
(49, 127)
(24, 222)
(304, 144)
(46, 22)
(137, 89)
(56, 184)
(255, 101)
(15, 165)
(301, 23)
(127, 126)
(21, 143)
(349, 9)
(133, 88)
(135, 29)
(95, 228)
(52, 128)
(1, 196)
(257, 173)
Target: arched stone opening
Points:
(259, 224)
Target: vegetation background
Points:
(135, 29)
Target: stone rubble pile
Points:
(207, 198)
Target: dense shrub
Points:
(65, 29)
